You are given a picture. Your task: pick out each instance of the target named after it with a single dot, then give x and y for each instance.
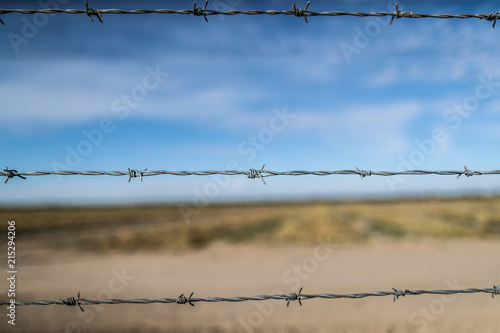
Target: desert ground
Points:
(248, 250)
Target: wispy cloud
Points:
(379, 129)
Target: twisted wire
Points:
(396, 293)
(210, 12)
(252, 173)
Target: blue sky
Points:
(173, 92)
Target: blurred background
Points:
(173, 92)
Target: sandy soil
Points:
(230, 270)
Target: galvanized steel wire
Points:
(251, 173)
(396, 293)
(299, 12)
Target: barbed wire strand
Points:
(251, 173)
(396, 293)
(299, 12)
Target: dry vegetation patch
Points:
(163, 227)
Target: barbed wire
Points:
(251, 173)
(299, 12)
(395, 293)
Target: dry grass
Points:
(163, 227)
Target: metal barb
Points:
(92, 11)
(294, 297)
(364, 173)
(1, 21)
(496, 291)
(399, 293)
(398, 14)
(72, 301)
(299, 12)
(135, 174)
(467, 172)
(11, 174)
(200, 11)
(183, 299)
(252, 173)
(492, 17)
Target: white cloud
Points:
(62, 93)
(220, 107)
(438, 51)
(389, 75)
(380, 127)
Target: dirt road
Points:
(248, 270)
